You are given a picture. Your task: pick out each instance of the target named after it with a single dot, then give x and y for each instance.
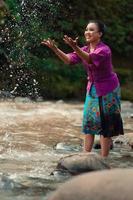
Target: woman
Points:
(102, 105)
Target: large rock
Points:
(126, 139)
(82, 162)
(130, 139)
(120, 140)
(108, 184)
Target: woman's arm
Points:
(73, 44)
(51, 44)
(82, 54)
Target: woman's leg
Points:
(105, 145)
(88, 142)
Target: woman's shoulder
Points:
(103, 47)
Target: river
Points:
(29, 133)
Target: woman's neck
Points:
(94, 44)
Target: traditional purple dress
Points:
(102, 113)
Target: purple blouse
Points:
(100, 72)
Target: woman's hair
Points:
(101, 26)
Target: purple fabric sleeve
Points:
(98, 56)
(74, 58)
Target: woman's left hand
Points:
(68, 40)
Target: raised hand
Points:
(49, 43)
(68, 40)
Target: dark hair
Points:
(101, 26)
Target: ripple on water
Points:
(28, 132)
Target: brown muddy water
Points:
(29, 133)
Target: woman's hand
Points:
(68, 40)
(49, 43)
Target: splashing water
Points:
(26, 24)
(29, 133)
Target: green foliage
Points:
(126, 81)
(125, 75)
(126, 92)
(28, 22)
(3, 11)
(61, 82)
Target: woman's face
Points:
(92, 33)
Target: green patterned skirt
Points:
(102, 115)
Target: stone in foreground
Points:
(81, 163)
(108, 184)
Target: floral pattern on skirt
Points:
(102, 115)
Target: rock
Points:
(128, 125)
(39, 99)
(126, 108)
(108, 184)
(131, 115)
(61, 175)
(59, 102)
(126, 139)
(121, 139)
(64, 147)
(6, 183)
(130, 139)
(5, 95)
(22, 100)
(82, 162)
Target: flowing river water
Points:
(29, 133)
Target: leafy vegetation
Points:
(29, 69)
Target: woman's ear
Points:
(100, 34)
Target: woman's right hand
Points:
(49, 43)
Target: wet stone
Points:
(61, 174)
(28, 132)
(22, 100)
(6, 95)
(120, 140)
(131, 115)
(117, 184)
(67, 147)
(81, 163)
